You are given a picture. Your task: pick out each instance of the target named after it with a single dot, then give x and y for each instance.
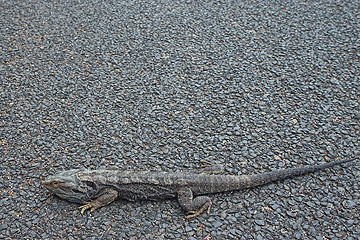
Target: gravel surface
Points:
(252, 85)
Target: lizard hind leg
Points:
(209, 168)
(193, 206)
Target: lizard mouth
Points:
(46, 184)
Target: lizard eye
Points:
(55, 183)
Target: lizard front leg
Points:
(105, 197)
(193, 206)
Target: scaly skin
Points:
(97, 188)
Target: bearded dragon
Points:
(97, 188)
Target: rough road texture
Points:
(252, 85)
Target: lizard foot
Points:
(92, 205)
(195, 213)
(193, 206)
(209, 168)
(105, 197)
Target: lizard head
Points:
(66, 185)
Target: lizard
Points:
(97, 188)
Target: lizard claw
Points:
(88, 205)
(205, 163)
(211, 168)
(195, 213)
(83, 208)
(209, 207)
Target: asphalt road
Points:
(163, 85)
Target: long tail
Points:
(264, 178)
